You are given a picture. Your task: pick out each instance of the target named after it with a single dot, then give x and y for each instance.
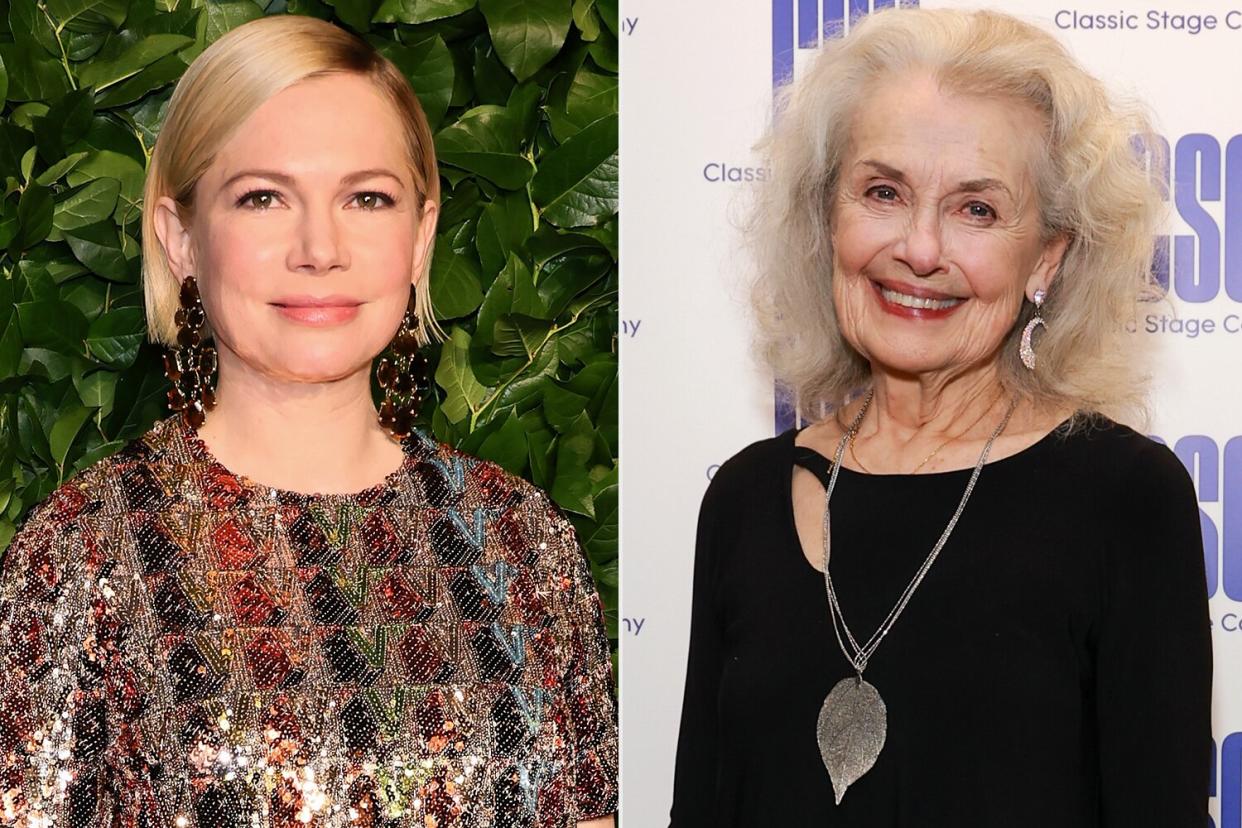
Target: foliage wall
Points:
(522, 98)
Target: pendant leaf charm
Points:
(852, 727)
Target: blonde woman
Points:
(969, 596)
(279, 606)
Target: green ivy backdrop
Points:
(522, 98)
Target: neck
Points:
(907, 406)
(301, 436)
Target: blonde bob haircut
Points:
(1092, 184)
(232, 78)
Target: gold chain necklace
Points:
(958, 436)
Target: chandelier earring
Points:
(190, 364)
(404, 377)
(1025, 349)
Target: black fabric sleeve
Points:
(1154, 655)
(694, 781)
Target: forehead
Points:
(319, 125)
(911, 123)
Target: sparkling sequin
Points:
(183, 647)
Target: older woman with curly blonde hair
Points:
(956, 233)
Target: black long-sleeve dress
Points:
(1053, 669)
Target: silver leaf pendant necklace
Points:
(853, 722)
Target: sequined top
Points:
(184, 647)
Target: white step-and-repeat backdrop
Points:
(696, 94)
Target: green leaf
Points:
(114, 338)
(354, 13)
(53, 173)
(107, 163)
(98, 246)
(88, 204)
(104, 73)
(571, 486)
(519, 335)
(429, 66)
(602, 538)
(34, 216)
(14, 143)
(420, 11)
(605, 52)
(159, 74)
(586, 19)
(577, 182)
(507, 221)
(463, 393)
(10, 349)
(28, 163)
(4, 81)
(527, 34)
(591, 96)
(97, 389)
(88, 15)
(67, 427)
(507, 446)
(455, 287)
(32, 75)
(57, 326)
(222, 18)
(30, 25)
(65, 121)
(487, 141)
(562, 407)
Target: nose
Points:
(922, 248)
(319, 245)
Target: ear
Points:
(174, 237)
(1048, 265)
(424, 237)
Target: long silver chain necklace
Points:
(853, 722)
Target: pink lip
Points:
(318, 310)
(913, 313)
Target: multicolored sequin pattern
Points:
(185, 648)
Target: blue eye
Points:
(978, 209)
(883, 192)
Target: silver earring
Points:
(1025, 350)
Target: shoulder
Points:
(1138, 463)
(761, 460)
(451, 476)
(94, 493)
(455, 480)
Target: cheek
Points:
(857, 241)
(993, 272)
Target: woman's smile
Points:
(915, 303)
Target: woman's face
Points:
(307, 233)
(936, 228)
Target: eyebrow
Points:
(288, 180)
(974, 185)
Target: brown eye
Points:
(255, 198)
(376, 200)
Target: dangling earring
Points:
(403, 376)
(190, 364)
(1024, 349)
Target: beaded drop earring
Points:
(403, 376)
(190, 364)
